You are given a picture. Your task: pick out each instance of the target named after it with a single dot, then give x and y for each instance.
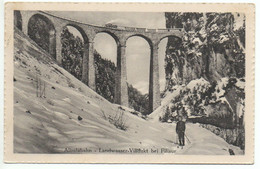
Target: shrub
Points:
(40, 87)
(118, 121)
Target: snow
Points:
(197, 40)
(206, 143)
(195, 84)
(240, 84)
(214, 27)
(198, 85)
(52, 125)
(154, 116)
(219, 88)
(223, 38)
(203, 33)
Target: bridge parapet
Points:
(148, 30)
(129, 29)
(169, 30)
(151, 30)
(143, 30)
(117, 28)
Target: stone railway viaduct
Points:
(120, 34)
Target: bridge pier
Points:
(58, 46)
(25, 21)
(154, 85)
(84, 78)
(121, 89)
(88, 67)
(52, 44)
(91, 66)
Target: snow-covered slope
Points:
(180, 95)
(50, 123)
(198, 96)
(166, 102)
(69, 116)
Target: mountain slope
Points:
(68, 117)
(50, 123)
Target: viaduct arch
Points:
(50, 32)
(121, 35)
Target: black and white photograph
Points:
(129, 83)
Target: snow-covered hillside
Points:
(68, 116)
(219, 107)
(197, 98)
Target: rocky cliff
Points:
(212, 47)
(205, 73)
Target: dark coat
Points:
(180, 127)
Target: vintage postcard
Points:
(129, 83)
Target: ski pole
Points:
(187, 138)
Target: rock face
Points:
(207, 67)
(212, 47)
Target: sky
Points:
(137, 48)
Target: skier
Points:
(180, 130)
